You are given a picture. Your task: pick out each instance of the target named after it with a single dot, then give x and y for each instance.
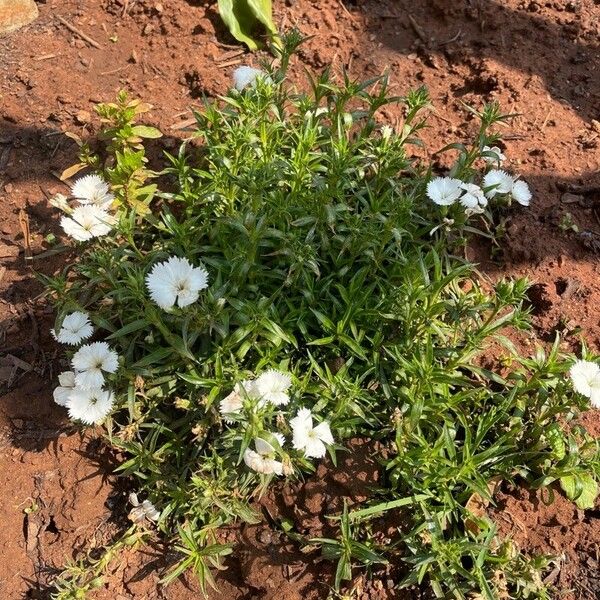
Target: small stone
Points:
(15, 14)
(265, 536)
(83, 117)
(569, 198)
(8, 188)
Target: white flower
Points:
(585, 376)
(176, 280)
(308, 438)
(386, 132)
(92, 189)
(232, 404)
(75, 328)
(271, 386)
(143, 510)
(317, 112)
(245, 76)
(473, 196)
(444, 190)
(499, 158)
(87, 222)
(499, 182)
(262, 460)
(521, 193)
(90, 406)
(89, 363)
(61, 393)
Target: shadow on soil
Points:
(487, 29)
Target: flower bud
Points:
(60, 201)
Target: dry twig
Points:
(418, 30)
(83, 36)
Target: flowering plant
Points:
(296, 288)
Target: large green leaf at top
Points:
(242, 17)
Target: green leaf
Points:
(385, 506)
(244, 17)
(144, 131)
(129, 328)
(155, 357)
(263, 11)
(240, 20)
(582, 489)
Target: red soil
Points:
(539, 59)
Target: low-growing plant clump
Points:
(298, 285)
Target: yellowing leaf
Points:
(583, 489)
(72, 170)
(144, 131)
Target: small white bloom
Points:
(262, 460)
(75, 328)
(90, 361)
(233, 403)
(521, 193)
(499, 158)
(585, 376)
(90, 406)
(176, 280)
(87, 222)
(386, 132)
(308, 438)
(499, 182)
(60, 201)
(61, 393)
(444, 190)
(246, 76)
(92, 189)
(473, 196)
(143, 510)
(316, 113)
(271, 386)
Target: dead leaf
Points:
(477, 505)
(72, 170)
(24, 223)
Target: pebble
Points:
(14, 14)
(569, 198)
(265, 537)
(83, 117)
